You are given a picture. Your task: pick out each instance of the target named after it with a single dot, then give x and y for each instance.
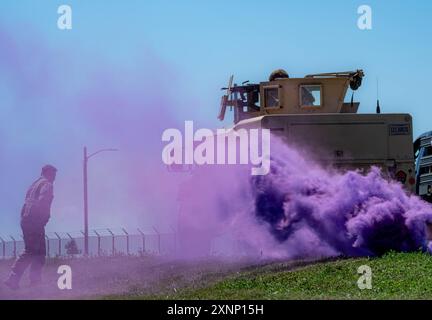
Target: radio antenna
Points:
(378, 109)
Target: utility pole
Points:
(86, 157)
(86, 233)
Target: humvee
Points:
(311, 112)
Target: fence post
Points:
(113, 241)
(159, 239)
(127, 240)
(70, 237)
(143, 239)
(84, 235)
(175, 239)
(99, 242)
(14, 246)
(3, 247)
(59, 246)
(48, 246)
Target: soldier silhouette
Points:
(34, 217)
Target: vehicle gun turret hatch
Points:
(244, 97)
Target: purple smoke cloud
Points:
(302, 209)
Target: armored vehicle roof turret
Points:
(315, 93)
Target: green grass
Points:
(395, 276)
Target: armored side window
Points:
(310, 96)
(271, 97)
(424, 170)
(427, 151)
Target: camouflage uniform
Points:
(34, 216)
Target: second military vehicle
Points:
(423, 153)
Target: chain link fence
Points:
(102, 242)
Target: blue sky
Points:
(202, 42)
(206, 41)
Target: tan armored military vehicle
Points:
(312, 112)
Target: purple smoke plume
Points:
(303, 209)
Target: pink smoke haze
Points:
(59, 101)
(300, 209)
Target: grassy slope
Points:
(395, 276)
